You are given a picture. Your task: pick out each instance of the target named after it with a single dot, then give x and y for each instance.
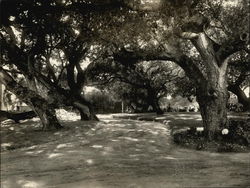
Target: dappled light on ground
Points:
(113, 153)
(24, 184)
(54, 155)
(171, 119)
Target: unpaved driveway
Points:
(114, 153)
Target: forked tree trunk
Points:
(212, 93)
(40, 106)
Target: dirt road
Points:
(113, 153)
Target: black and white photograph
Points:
(125, 93)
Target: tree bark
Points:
(76, 85)
(213, 107)
(41, 107)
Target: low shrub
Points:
(234, 138)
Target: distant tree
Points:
(104, 101)
(134, 99)
(143, 84)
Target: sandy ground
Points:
(113, 153)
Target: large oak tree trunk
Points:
(212, 93)
(41, 107)
(76, 83)
(212, 100)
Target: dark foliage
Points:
(237, 139)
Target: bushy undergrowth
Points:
(235, 138)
